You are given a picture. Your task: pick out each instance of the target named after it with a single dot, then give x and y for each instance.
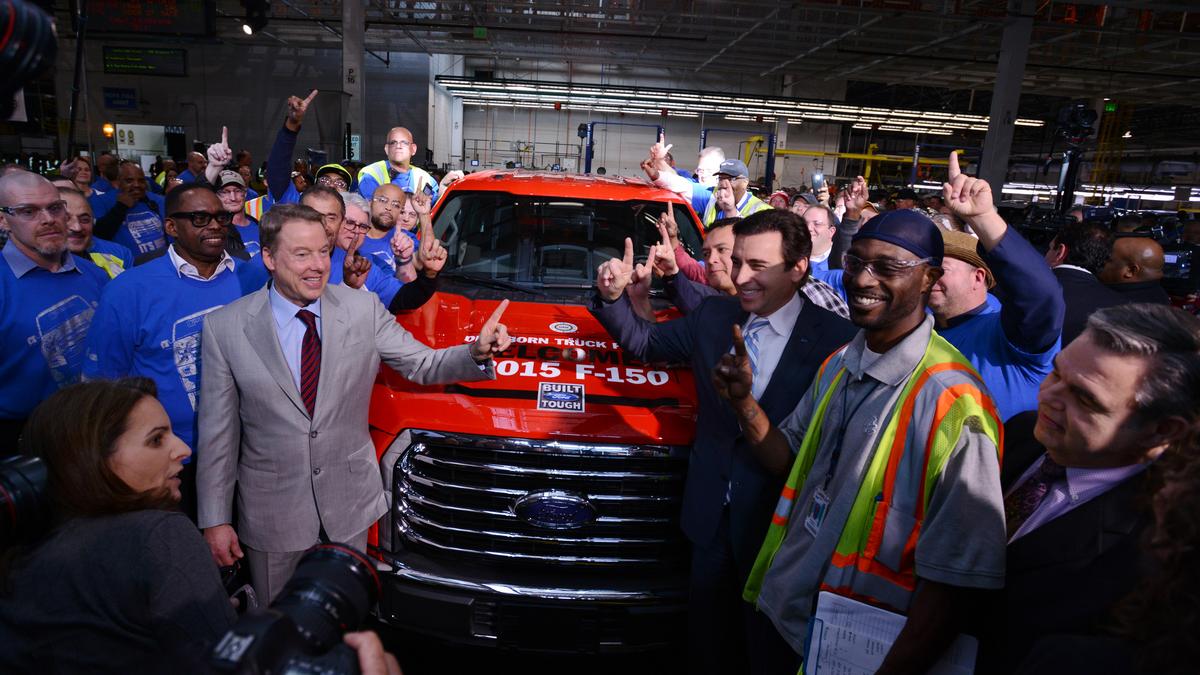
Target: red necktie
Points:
(310, 360)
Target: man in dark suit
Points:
(1075, 476)
(1135, 270)
(1077, 254)
(729, 497)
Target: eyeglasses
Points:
(232, 191)
(402, 144)
(881, 268)
(203, 218)
(355, 226)
(29, 212)
(385, 202)
(334, 181)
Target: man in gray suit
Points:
(284, 395)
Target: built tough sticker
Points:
(560, 397)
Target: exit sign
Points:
(1110, 107)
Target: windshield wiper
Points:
(489, 282)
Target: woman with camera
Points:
(121, 582)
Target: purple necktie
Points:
(310, 360)
(1022, 502)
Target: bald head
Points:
(1134, 259)
(400, 148)
(21, 181)
(196, 163)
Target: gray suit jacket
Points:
(295, 474)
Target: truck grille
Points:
(459, 494)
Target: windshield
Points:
(548, 246)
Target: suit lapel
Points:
(260, 332)
(799, 347)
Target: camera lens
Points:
(23, 506)
(331, 592)
(27, 47)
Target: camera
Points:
(24, 510)
(331, 592)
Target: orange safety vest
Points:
(875, 557)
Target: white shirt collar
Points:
(783, 319)
(187, 269)
(1073, 267)
(822, 257)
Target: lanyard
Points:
(836, 455)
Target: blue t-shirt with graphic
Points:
(148, 325)
(142, 232)
(44, 321)
(250, 237)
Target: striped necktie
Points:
(310, 360)
(751, 337)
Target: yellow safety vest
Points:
(875, 557)
(751, 204)
(419, 178)
(108, 262)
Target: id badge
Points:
(817, 512)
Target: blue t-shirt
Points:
(186, 176)
(148, 325)
(367, 184)
(1011, 375)
(142, 231)
(821, 272)
(250, 237)
(114, 249)
(379, 252)
(101, 202)
(701, 195)
(253, 275)
(44, 321)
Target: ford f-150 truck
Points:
(540, 510)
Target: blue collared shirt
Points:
(290, 329)
(22, 264)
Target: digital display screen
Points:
(145, 61)
(156, 17)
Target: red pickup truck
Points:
(540, 510)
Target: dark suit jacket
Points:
(1083, 294)
(1064, 577)
(1142, 291)
(719, 455)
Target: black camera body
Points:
(332, 590)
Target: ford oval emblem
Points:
(560, 396)
(555, 509)
(563, 327)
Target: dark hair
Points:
(318, 190)
(723, 222)
(1170, 338)
(75, 431)
(174, 197)
(1089, 245)
(274, 220)
(797, 243)
(1162, 613)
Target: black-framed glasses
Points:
(355, 226)
(203, 218)
(29, 211)
(402, 144)
(881, 268)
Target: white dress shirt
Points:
(187, 269)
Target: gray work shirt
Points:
(962, 537)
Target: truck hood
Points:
(563, 377)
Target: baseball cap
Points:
(908, 229)
(808, 198)
(964, 247)
(228, 177)
(734, 168)
(338, 168)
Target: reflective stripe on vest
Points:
(108, 262)
(379, 171)
(254, 207)
(875, 557)
(752, 205)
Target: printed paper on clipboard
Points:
(852, 638)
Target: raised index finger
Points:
(225, 136)
(496, 314)
(310, 97)
(662, 232)
(955, 171)
(739, 344)
(353, 250)
(628, 258)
